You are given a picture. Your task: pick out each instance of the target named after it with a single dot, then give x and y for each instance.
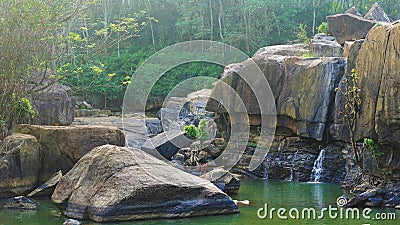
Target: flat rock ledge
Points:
(113, 183)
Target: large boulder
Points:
(62, 147)
(113, 183)
(55, 105)
(20, 162)
(349, 27)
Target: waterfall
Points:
(317, 169)
(290, 178)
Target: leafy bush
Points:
(23, 108)
(191, 131)
(323, 28)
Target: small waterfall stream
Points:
(290, 178)
(317, 169)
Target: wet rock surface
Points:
(20, 203)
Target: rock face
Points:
(20, 161)
(349, 27)
(303, 88)
(325, 46)
(62, 147)
(55, 105)
(378, 65)
(150, 188)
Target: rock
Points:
(374, 201)
(338, 130)
(154, 126)
(134, 128)
(179, 157)
(224, 180)
(20, 202)
(360, 200)
(20, 162)
(376, 13)
(325, 46)
(55, 105)
(62, 147)
(353, 11)
(377, 66)
(242, 202)
(113, 183)
(303, 89)
(85, 105)
(72, 222)
(284, 50)
(87, 112)
(346, 48)
(167, 144)
(53, 181)
(348, 27)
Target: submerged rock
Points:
(20, 202)
(20, 162)
(113, 183)
(48, 184)
(72, 222)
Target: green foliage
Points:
(302, 35)
(307, 55)
(191, 131)
(323, 28)
(23, 107)
(369, 142)
(202, 133)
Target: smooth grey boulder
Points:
(113, 183)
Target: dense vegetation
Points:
(95, 46)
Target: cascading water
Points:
(317, 169)
(290, 178)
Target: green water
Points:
(277, 194)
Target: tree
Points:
(32, 43)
